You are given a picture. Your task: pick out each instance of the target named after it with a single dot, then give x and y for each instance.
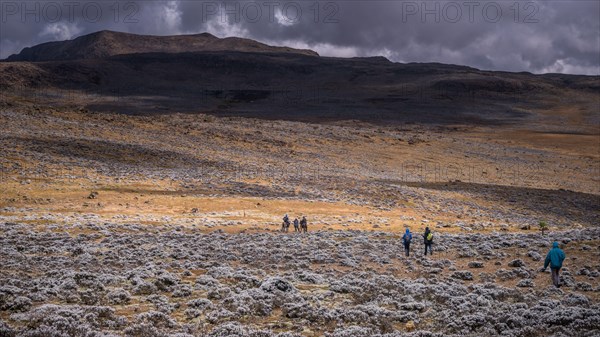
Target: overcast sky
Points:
(535, 36)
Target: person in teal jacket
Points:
(555, 259)
(406, 239)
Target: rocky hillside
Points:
(129, 73)
(108, 43)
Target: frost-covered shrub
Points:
(252, 301)
(472, 321)
(144, 288)
(411, 306)
(475, 264)
(352, 331)
(567, 279)
(218, 293)
(526, 283)
(19, 304)
(277, 285)
(487, 277)
(118, 296)
(191, 313)
(232, 329)
(88, 280)
(534, 255)
(5, 330)
(143, 330)
(306, 311)
(462, 275)
(89, 297)
(516, 263)
(161, 303)
(583, 286)
(573, 299)
(207, 282)
(342, 287)
(218, 315)
(466, 252)
(200, 303)
(505, 275)
(157, 319)
(182, 290)
(165, 281)
(7, 295)
(245, 281)
(56, 320)
(309, 277)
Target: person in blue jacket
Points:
(406, 239)
(555, 259)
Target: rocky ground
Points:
(134, 280)
(168, 225)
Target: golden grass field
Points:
(505, 169)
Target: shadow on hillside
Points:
(569, 205)
(233, 188)
(109, 152)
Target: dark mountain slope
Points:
(277, 84)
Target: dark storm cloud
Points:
(536, 36)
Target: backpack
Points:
(407, 238)
(429, 236)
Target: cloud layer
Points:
(535, 36)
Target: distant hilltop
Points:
(236, 76)
(108, 43)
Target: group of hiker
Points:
(554, 258)
(427, 240)
(299, 226)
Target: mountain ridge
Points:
(108, 43)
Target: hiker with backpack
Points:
(555, 259)
(286, 223)
(296, 224)
(406, 239)
(303, 224)
(428, 240)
